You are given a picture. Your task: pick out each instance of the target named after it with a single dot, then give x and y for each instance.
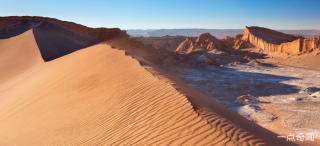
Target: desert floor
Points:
(279, 106)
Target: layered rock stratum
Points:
(274, 41)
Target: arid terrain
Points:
(263, 75)
(219, 33)
(63, 83)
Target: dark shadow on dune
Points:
(12, 29)
(54, 40)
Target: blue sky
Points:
(169, 14)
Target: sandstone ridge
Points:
(273, 41)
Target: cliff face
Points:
(312, 43)
(273, 41)
(100, 34)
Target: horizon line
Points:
(215, 29)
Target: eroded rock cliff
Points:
(273, 41)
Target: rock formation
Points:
(208, 42)
(239, 43)
(185, 45)
(204, 42)
(273, 41)
(228, 41)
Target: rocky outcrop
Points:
(210, 43)
(100, 34)
(207, 50)
(185, 45)
(205, 37)
(239, 43)
(274, 41)
(310, 90)
(205, 42)
(316, 94)
(228, 41)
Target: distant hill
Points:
(171, 42)
(219, 33)
(304, 33)
(139, 32)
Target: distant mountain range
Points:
(219, 33)
(140, 32)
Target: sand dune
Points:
(100, 96)
(54, 40)
(17, 55)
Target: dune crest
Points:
(99, 34)
(17, 55)
(56, 38)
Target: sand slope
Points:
(54, 40)
(17, 55)
(100, 96)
